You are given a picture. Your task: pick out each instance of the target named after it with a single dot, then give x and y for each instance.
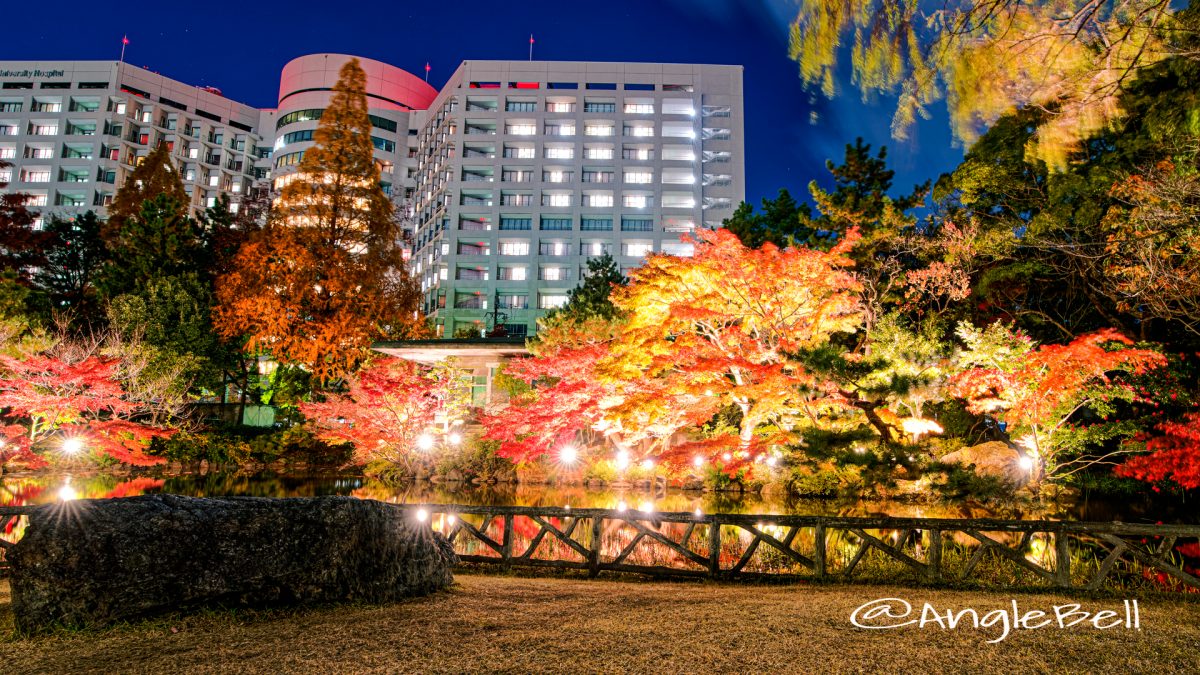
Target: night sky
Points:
(241, 47)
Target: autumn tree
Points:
(1040, 391)
(988, 58)
(567, 399)
(95, 395)
(1174, 455)
(714, 330)
(387, 407)
(154, 177)
(1153, 246)
(325, 278)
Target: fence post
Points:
(934, 559)
(819, 551)
(594, 558)
(714, 548)
(507, 545)
(1062, 560)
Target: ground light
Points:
(568, 454)
(425, 442)
(72, 446)
(67, 493)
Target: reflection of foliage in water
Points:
(38, 489)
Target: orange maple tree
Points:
(715, 330)
(1175, 455)
(388, 405)
(1037, 391)
(694, 335)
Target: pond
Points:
(42, 488)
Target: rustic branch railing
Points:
(727, 546)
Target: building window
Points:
(598, 152)
(556, 223)
(465, 248)
(594, 248)
(596, 224)
(516, 222)
(471, 274)
(636, 249)
(556, 199)
(560, 129)
(513, 248)
(598, 130)
(560, 152)
(597, 176)
(520, 106)
(554, 248)
(557, 176)
(639, 109)
(637, 224)
(639, 177)
(635, 201)
(521, 129)
(553, 273)
(551, 300)
(599, 107)
(639, 131)
(598, 199)
(560, 106)
(513, 301)
(512, 273)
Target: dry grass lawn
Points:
(538, 624)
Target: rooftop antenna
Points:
(531, 46)
(426, 71)
(124, 42)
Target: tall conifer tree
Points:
(325, 278)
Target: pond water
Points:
(41, 489)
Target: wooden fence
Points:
(726, 546)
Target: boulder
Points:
(95, 562)
(993, 458)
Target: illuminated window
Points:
(513, 248)
(598, 152)
(551, 300)
(639, 177)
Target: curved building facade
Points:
(394, 97)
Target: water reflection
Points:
(41, 489)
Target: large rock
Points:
(993, 458)
(94, 562)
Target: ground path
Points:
(538, 624)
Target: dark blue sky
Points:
(241, 47)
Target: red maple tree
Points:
(565, 400)
(387, 407)
(45, 397)
(1038, 391)
(1174, 456)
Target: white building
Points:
(74, 130)
(528, 168)
(513, 175)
